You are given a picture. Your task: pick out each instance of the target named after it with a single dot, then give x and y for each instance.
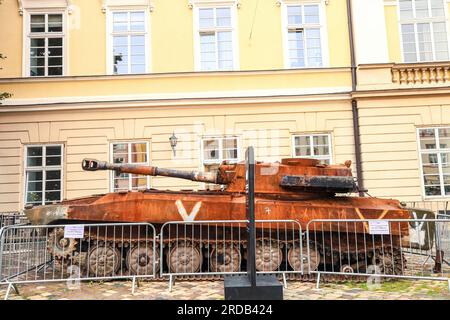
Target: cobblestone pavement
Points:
(213, 290)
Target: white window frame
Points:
(323, 32)
(415, 21)
(111, 157)
(206, 162)
(311, 145)
(26, 36)
(438, 151)
(44, 168)
(234, 32)
(109, 36)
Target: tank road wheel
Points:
(103, 260)
(268, 256)
(140, 259)
(59, 246)
(225, 260)
(389, 262)
(184, 257)
(297, 258)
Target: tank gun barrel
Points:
(208, 177)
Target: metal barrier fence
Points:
(391, 248)
(197, 248)
(439, 207)
(12, 218)
(74, 253)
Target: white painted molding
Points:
(44, 4)
(19, 2)
(115, 4)
(212, 3)
(392, 2)
(160, 98)
(280, 2)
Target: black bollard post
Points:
(252, 286)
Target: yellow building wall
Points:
(10, 39)
(389, 145)
(87, 38)
(259, 27)
(393, 33)
(268, 127)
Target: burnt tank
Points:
(293, 189)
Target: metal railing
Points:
(388, 248)
(214, 248)
(12, 218)
(75, 253)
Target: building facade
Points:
(116, 79)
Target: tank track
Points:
(325, 278)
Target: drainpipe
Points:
(355, 112)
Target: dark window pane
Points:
(37, 42)
(55, 52)
(35, 176)
(36, 72)
(52, 196)
(34, 197)
(53, 175)
(53, 161)
(55, 71)
(34, 151)
(55, 23)
(55, 61)
(37, 52)
(34, 186)
(432, 191)
(53, 151)
(34, 161)
(37, 23)
(55, 42)
(53, 185)
(37, 62)
(37, 18)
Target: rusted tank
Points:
(295, 189)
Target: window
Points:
(215, 150)
(130, 152)
(304, 39)
(315, 146)
(423, 30)
(129, 42)
(216, 39)
(46, 44)
(43, 174)
(434, 148)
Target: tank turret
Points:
(290, 176)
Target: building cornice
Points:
(174, 74)
(180, 102)
(401, 93)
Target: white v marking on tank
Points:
(182, 211)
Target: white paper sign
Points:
(74, 231)
(379, 227)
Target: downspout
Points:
(355, 112)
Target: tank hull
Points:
(159, 207)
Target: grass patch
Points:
(430, 288)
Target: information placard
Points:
(379, 227)
(74, 231)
